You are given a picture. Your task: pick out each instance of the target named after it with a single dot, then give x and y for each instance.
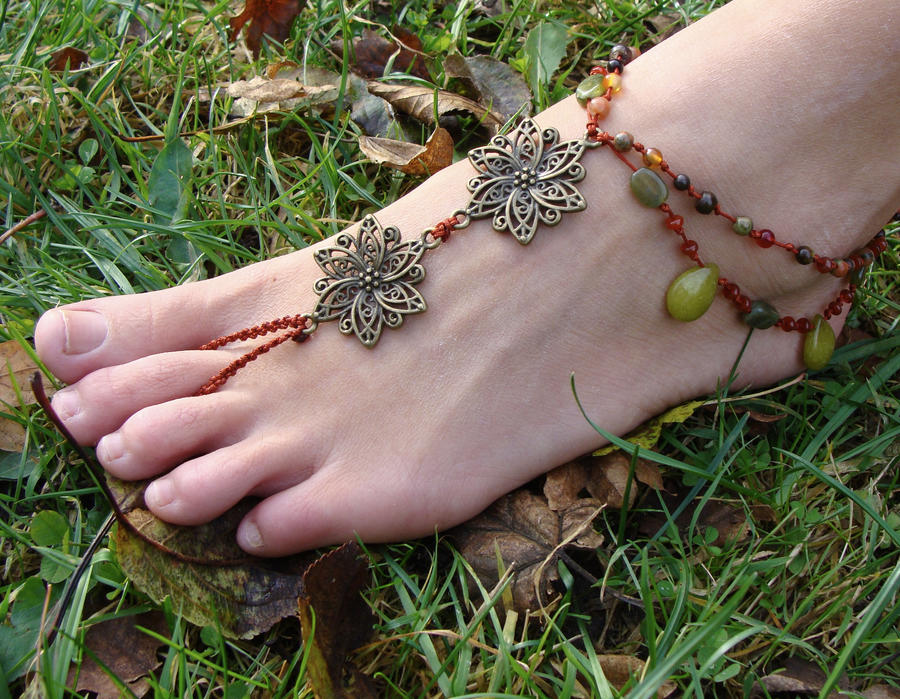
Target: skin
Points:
(472, 398)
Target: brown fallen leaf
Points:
(16, 368)
(419, 102)
(373, 54)
(607, 478)
(68, 58)
(13, 436)
(411, 158)
(564, 484)
(499, 87)
(799, 676)
(126, 652)
(270, 17)
(336, 619)
(620, 669)
(243, 596)
(730, 522)
(519, 530)
(261, 94)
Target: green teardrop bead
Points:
(692, 292)
(590, 87)
(762, 315)
(648, 187)
(819, 344)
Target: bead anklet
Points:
(526, 178)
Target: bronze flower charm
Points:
(369, 282)
(526, 178)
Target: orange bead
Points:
(613, 81)
(598, 107)
(652, 157)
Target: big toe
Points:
(78, 339)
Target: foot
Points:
(472, 398)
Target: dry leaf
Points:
(336, 619)
(647, 435)
(881, 691)
(564, 484)
(520, 531)
(67, 58)
(271, 17)
(799, 677)
(419, 102)
(411, 158)
(126, 652)
(620, 669)
(663, 26)
(283, 94)
(373, 53)
(607, 478)
(13, 436)
(243, 596)
(499, 87)
(16, 368)
(730, 522)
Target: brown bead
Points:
(840, 268)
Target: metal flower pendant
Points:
(527, 177)
(369, 282)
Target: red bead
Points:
(675, 222)
(788, 324)
(846, 296)
(744, 303)
(766, 238)
(804, 325)
(689, 247)
(731, 291)
(824, 265)
(835, 307)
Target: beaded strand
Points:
(691, 293)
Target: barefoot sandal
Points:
(526, 178)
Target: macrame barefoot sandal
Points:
(527, 178)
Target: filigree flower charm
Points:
(526, 178)
(369, 282)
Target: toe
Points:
(156, 438)
(332, 507)
(200, 490)
(100, 402)
(80, 338)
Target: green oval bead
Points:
(590, 87)
(648, 187)
(742, 225)
(762, 315)
(819, 344)
(692, 292)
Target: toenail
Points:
(66, 404)
(248, 536)
(84, 331)
(159, 494)
(110, 448)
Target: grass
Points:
(815, 576)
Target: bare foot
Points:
(471, 398)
